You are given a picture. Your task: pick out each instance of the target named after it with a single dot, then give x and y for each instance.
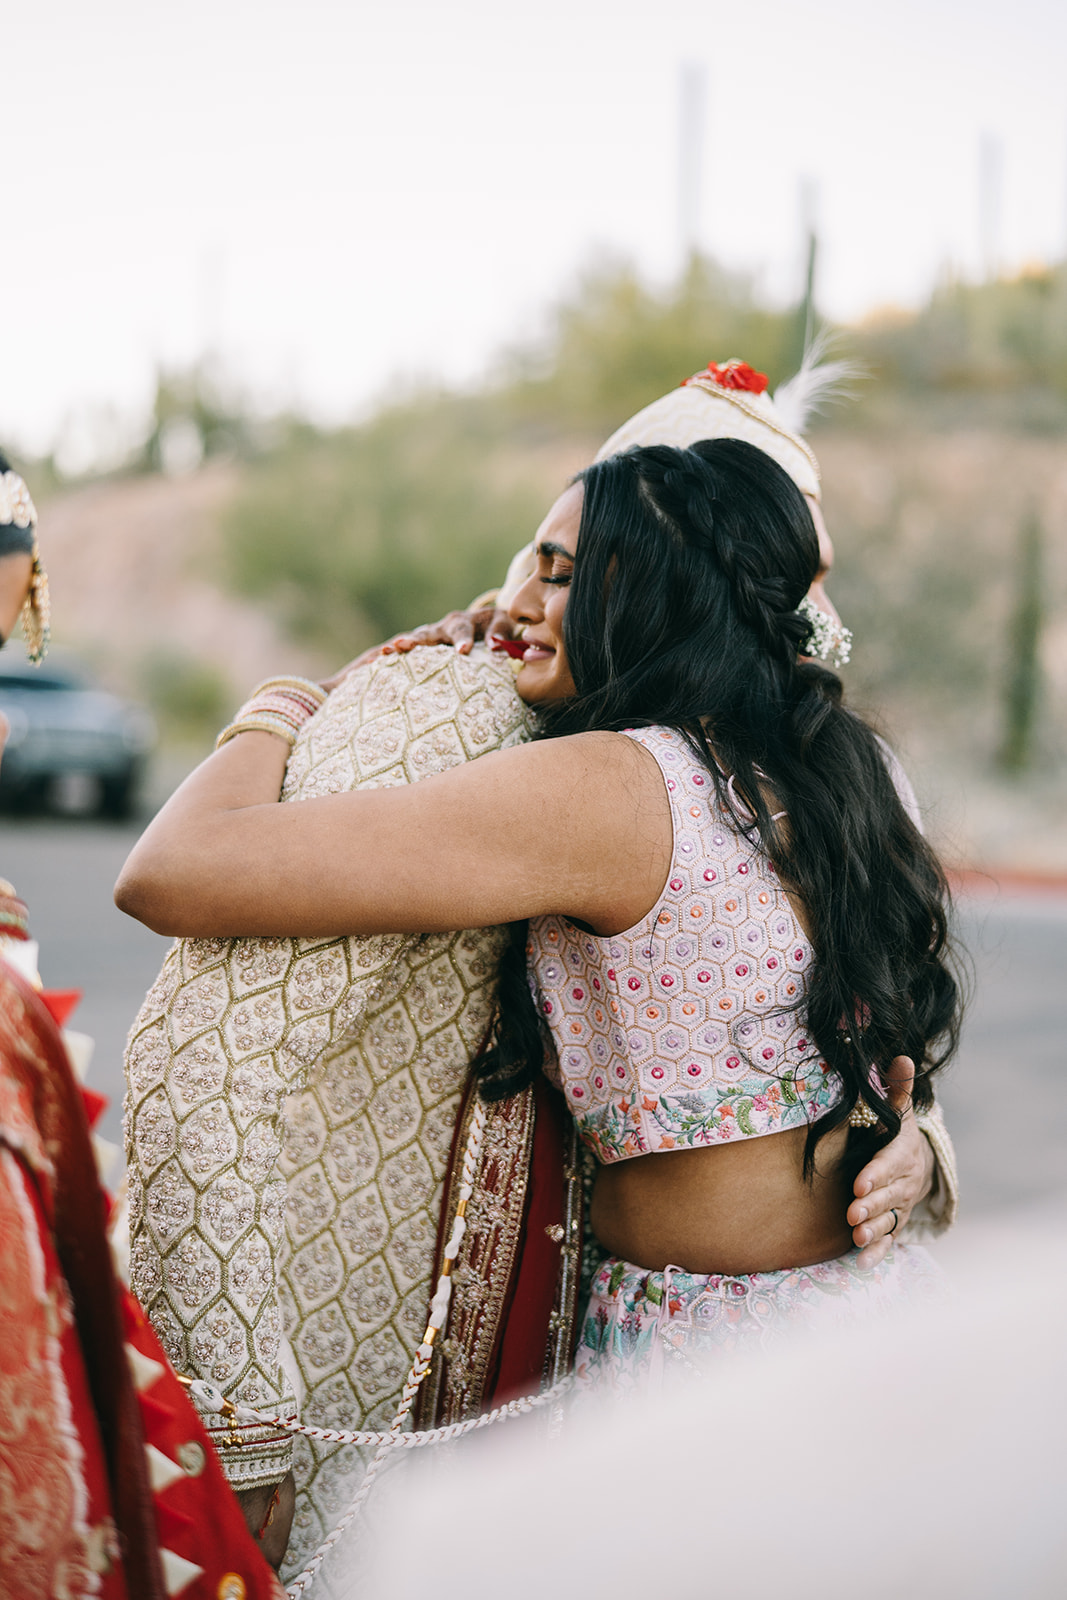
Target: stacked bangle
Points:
(278, 705)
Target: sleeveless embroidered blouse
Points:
(689, 1028)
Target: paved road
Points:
(1001, 1096)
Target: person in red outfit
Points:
(109, 1486)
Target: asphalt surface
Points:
(66, 871)
(1000, 1096)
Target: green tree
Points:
(357, 534)
(195, 398)
(616, 343)
(996, 340)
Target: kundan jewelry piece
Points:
(830, 640)
(862, 1116)
(17, 510)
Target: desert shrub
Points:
(357, 534)
(190, 697)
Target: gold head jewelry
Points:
(18, 510)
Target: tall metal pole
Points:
(990, 183)
(692, 100)
(810, 246)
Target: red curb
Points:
(987, 878)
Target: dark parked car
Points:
(72, 746)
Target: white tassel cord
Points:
(434, 1436)
(401, 1441)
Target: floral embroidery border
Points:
(484, 1273)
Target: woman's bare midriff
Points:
(731, 1208)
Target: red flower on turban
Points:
(732, 375)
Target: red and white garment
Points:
(109, 1486)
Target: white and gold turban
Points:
(727, 401)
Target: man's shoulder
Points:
(400, 718)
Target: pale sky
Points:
(337, 194)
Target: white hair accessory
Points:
(830, 639)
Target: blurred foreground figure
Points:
(923, 1458)
(298, 1110)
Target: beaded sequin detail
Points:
(697, 1321)
(687, 1029)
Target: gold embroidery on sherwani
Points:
(562, 1322)
(484, 1271)
(291, 1105)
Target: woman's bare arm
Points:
(580, 826)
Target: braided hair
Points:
(683, 612)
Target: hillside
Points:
(927, 529)
(137, 584)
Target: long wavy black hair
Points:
(683, 612)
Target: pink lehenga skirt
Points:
(640, 1326)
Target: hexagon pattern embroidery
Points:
(703, 1039)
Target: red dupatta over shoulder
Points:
(109, 1486)
(71, 1440)
(511, 1321)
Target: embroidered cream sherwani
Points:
(291, 1105)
